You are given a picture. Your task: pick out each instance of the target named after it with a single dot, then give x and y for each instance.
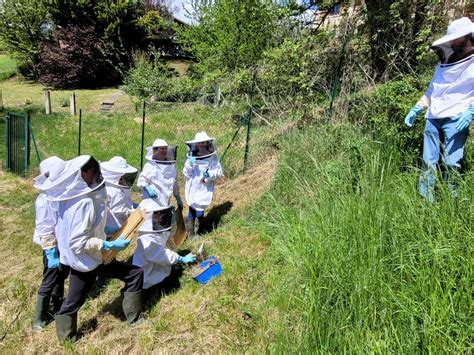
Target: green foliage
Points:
(381, 112)
(21, 32)
(230, 34)
(368, 266)
(155, 80)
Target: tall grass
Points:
(368, 265)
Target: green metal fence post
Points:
(143, 137)
(7, 140)
(80, 129)
(26, 129)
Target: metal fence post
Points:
(79, 138)
(143, 137)
(27, 142)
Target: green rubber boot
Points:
(66, 327)
(41, 314)
(132, 304)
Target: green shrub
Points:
(381, 112)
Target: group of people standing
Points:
(83, 202)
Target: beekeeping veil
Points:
(161, 152)
(65, 180)
(45, 167)
(450, 48)
(197, 149)
(117, 172)
(157, 218)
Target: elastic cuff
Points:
(93, 244)
(47, 241)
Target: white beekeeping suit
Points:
(151, 253)
(201, 170)
(45, 210)
(159, 176)
(119, 178)
(82, 214)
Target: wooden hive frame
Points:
(129, 230)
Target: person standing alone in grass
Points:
(51, 290)
(201, 170)
(449, 102)
(82, 208)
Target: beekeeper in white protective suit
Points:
(119, 178)
(151, 253)
(158, 180)
(201, 170)
(51, 290)
(449, 105)
(79, 191)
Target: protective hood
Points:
(65, 181)
(117, 172)
(163, 154)
(45, 167)
(197, 149)
(157, 218)
(443, 47)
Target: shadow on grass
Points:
(152, 295)
(214, 216)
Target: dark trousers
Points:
(53, 278)
(195, 214)
(80, 283)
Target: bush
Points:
(155, 80)
(381, 112)
(77, 58)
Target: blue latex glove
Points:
(192, 160)
(464, 119)
(179, 202)
(118, 244)
(110, 230)
(205, 175)
(150, 191)
(53, 258)
(410, 118)
(190, 258)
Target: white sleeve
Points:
(82, 223)
(158, 254)
(215, 170)
(187, 170)
(144, 177)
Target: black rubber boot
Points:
(41, 313)
(132, 304)
(66, 327)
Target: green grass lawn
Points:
(7, 67)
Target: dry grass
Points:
(223, 316)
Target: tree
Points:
(23, 27)
(230, 34)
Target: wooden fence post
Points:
(47, 102)
(1, 101)
(72, 104)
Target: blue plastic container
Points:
(211, 268)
